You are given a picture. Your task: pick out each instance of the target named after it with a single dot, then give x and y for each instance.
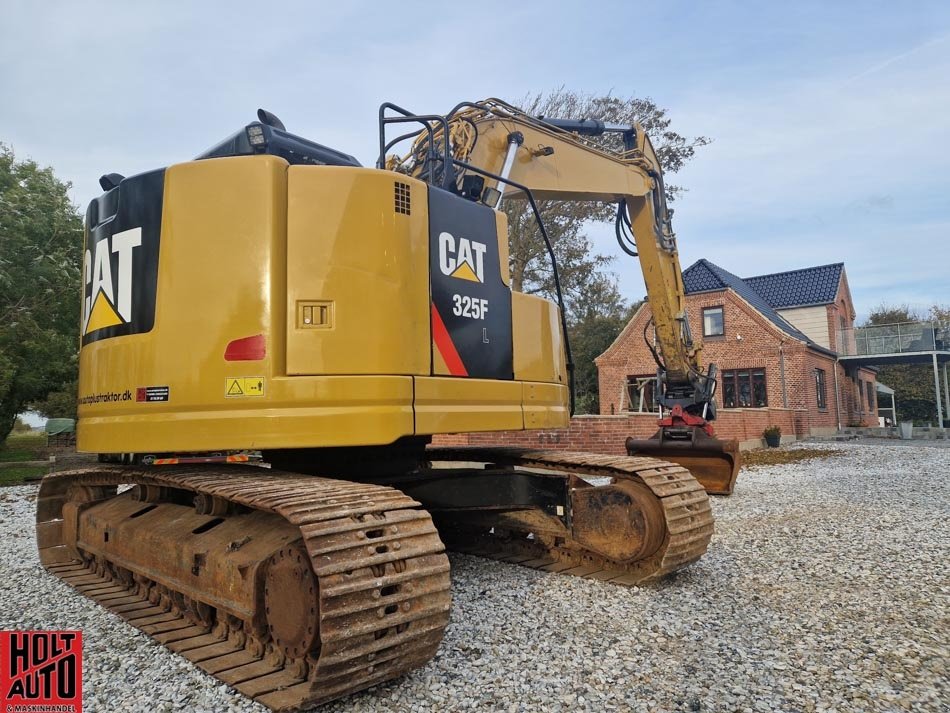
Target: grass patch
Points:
(23, 446)
(17, 474)
(779, 456)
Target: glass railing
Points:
(898, 338)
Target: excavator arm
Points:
(498, 153)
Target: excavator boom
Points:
(526, 157)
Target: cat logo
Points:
(108, 292)
(464, 259)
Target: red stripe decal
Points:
(443, 342)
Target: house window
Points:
(641, 393)
(744, 388)
(870, 391)
(820, 388)
(713, 322)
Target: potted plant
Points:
(773, 436)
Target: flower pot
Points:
(773, 440)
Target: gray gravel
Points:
(825, 588)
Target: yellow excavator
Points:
(275, 297)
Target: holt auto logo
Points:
(41, 671)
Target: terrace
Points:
(902, 343)
(901, 338)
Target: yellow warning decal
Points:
(244, 386)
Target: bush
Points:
(772, 431)
(21, 426)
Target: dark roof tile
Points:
(799, 288)
(699, 277)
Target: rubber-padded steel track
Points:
(382, 608)
(685, 505)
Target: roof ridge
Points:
(724, 270)
(709, 267)
(791, 272)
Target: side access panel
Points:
(471, 300)
(357, 264)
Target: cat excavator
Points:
(273, 296)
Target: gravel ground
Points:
(825, 588)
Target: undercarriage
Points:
(297, 589)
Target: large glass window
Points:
(759, 396)
(713, 322)
(744, 388)
(821, 396)
(728, 389)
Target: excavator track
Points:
(685, 516)
(295, 590)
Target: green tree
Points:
(61, 403)
(21, 426)
(940, 314)
(596, 312)
(40, 265)
(590, 335)
(566, 222)
(913, 384)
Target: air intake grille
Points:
(402, 199)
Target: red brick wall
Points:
(606, 434)
(859, 412)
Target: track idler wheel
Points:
(623, 521)
(290, 601)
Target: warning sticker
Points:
(244, 386)
(151, 393)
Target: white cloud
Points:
(826, 168)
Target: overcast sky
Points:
(829, 120)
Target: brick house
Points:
(773, 337)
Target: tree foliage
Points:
(596, 312)
(61, 403)
(580, 268)
(913, 384)
(21, 426)
(590, 337)
(40, 265)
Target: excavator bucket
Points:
(714, 463)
